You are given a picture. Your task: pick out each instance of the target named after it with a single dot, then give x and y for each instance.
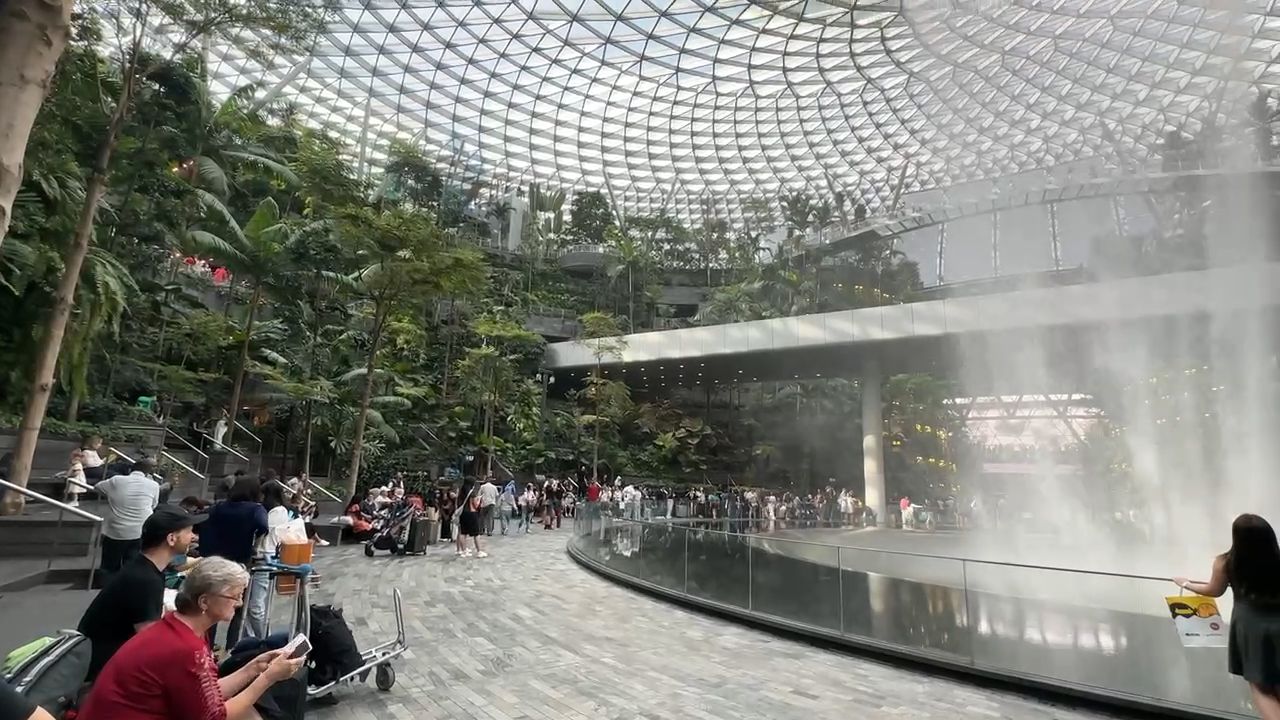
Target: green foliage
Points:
(590, 217)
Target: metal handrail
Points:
(63, 508)
(119, 454)
(248, 432)
(84, 514)
(165, 454)
(321, 488)
(184, 441)
(226, 447)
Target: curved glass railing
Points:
(1105, 635)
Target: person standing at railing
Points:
(130, 498)
(76, 479)
(1251, 568)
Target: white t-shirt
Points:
(488, 494)
(277, 518)
(131, 498)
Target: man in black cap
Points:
(134, 597)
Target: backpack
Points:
(333, 648)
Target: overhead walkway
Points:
(988, 338)
(913, 336)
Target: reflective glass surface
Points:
(1108, 633)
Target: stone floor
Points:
(527, 633)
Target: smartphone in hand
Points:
(297, 647)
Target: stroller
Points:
(50, 671)
(391, 528)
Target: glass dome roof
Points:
(687, 104)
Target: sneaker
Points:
(482, 554)
(458, 553)
(466, 553)
(321, 542)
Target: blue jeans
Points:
(504, 518)
(259, 589)
(526, 518)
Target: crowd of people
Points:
(468, 509)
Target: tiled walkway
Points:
(527, 633)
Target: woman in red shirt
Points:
(167, 672)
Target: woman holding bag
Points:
(1251, 568)
(468, 514)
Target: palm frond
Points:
(210, 175)
(275, 167)
(215, 205)
(205, 243)
(390, 402)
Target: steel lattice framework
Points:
(696, 104)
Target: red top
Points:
(593, 491)
(164, 672)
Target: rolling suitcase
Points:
(419, 536)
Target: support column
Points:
(873, 441)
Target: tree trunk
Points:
(73, 402)
(33, 34)
(448, 350)
(357, 434)
(488, 434)
(233, 410)
(306, 446)
(37, 400)
(631, 300)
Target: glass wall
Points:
(1105, 634)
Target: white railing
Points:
(62, 509)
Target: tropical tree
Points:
(485, 377)
(262, 257)
(404, 263)
(259, 27)
(601, 332)
(590, 217)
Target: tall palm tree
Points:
(261, 261)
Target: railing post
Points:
(751, 590)
(840, 581)
(685, 589)
(968, 612)
(57, 537)
(94, 543)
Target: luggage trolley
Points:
(376, 659)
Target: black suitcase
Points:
(419, 536)
(52, 676)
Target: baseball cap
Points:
(167, 519)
